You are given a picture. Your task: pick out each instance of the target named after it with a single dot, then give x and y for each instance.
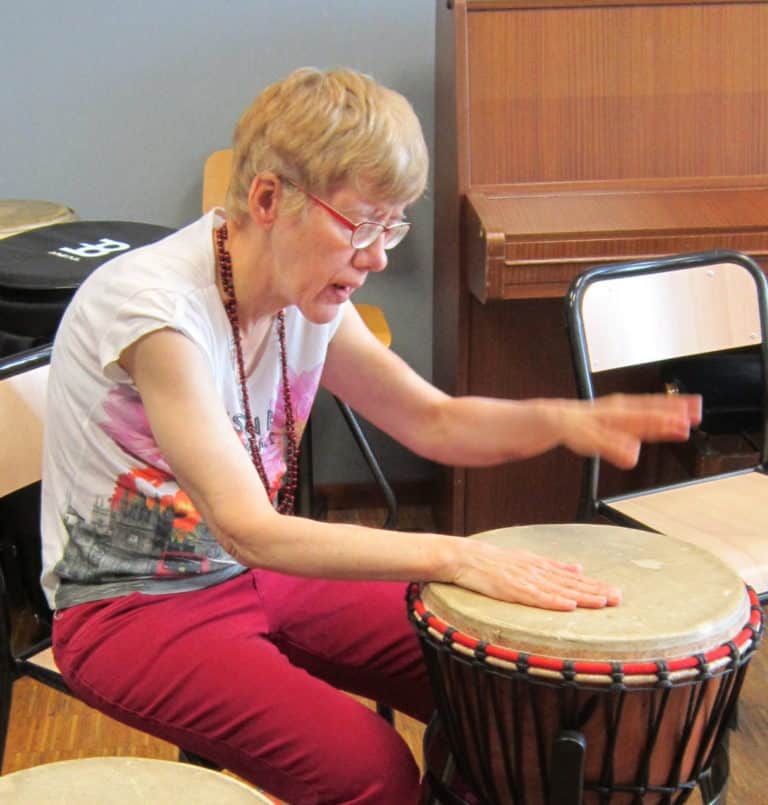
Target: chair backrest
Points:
(216, 178)
(631, 319)
(23, 379)
(644, 312)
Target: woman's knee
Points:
(379, 771)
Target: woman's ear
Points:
(263, 198)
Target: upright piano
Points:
(570, 133)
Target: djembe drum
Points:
(124, 781)
(41, 269)
(627, 704)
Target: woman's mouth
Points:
(341, 292)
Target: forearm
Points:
(304, 547)
(341, 551)
(477, 431)
(480, 431)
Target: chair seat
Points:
(727, 516)
(44, 659)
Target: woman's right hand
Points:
(522, 577)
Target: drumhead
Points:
(124, 781)
(677, 598)
(18, 215)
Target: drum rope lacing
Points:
(660, 673)
(473, 739)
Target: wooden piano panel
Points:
(568, 133)
(618, 92)
(533, 244)
(500, 365)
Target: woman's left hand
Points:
(615, 426)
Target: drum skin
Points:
(21, 215)
(649, 733)
(124, 781)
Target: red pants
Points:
(247, 674)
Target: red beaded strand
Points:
(287, 494)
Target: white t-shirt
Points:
(114, 520)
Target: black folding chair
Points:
(647, 313)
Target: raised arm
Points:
(480, 431)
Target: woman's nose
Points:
(373, 257)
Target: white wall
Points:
(112, 107)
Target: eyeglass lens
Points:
(367, 232)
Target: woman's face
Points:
(316, 262)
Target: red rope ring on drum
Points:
(654, 673)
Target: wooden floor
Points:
(47, 726)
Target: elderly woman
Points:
(189, 603)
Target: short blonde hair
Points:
(325, 130)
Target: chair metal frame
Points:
(592, 504)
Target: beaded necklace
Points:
(288, 492)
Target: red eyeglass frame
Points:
(400, 227)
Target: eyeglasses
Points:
(365, 233)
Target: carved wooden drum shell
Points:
(649, 684)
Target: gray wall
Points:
(111, 108)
